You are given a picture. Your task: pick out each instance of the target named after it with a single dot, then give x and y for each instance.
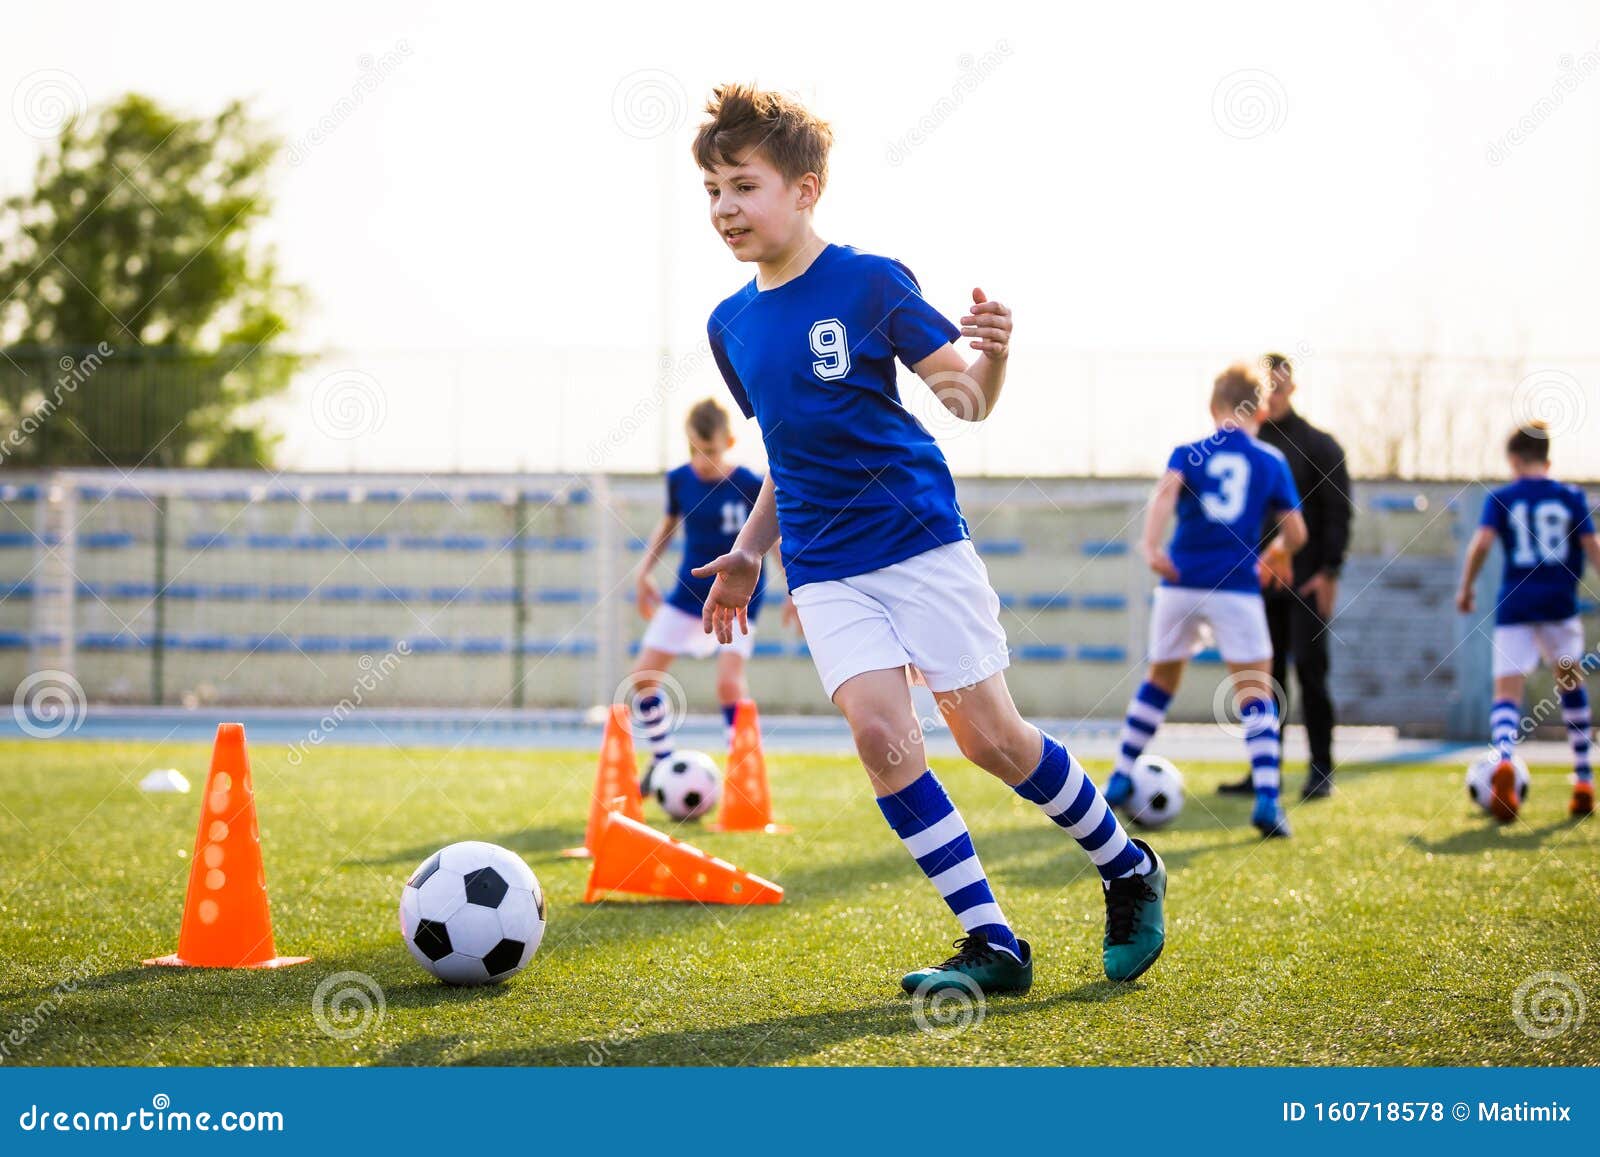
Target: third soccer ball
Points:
(1157, 795)
(686, 785)
(1478, 775)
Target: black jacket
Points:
(1321, 477)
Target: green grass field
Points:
(1394, 929)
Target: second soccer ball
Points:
(686, 785)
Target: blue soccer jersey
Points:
(860, 483)
(1231, 481)
(713, 514)
(1539, 522)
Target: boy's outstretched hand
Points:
(988, 324)
(737, 572)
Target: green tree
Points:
(141, 315)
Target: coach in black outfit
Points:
(1298, 614)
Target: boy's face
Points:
(705, 454)
(756, 213)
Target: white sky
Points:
(485, 203)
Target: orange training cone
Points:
(746, 799)
(226, 921)
(632, 857)
(618, 775)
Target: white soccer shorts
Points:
(677, 632)
(935, 612)
(1517, 647)
(1184, 620)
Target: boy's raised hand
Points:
(988, 324)
(737, 572)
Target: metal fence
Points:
(198, 588)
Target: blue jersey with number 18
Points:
(1539, 522)
(1231, 481)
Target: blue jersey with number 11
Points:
(1231, 482)
(713, 512)
(1539, 522)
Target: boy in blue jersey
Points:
(1545, 530)
(710, 498)
(1223, 488)
(877, 554)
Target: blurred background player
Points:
(710, 497)
(1301, 592)
(1223, 489)
(875, 548)
(1545, 530)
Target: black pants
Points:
(1300, 636)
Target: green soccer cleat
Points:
(1136, 924)
(976, 964)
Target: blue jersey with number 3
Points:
(713, 514)
(860, 483)
(1539, 522)
(1231, 482)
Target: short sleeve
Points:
(674, 507)
(719, 353)
(1584, 520)
(1285, 495)
(1180, 457)
(1493, 515)
(915, 328)
(749, 485)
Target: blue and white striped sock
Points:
(1505, 720)
(1575, 711)
(730, 711)
(1260, 719)
(653, 722)
(1065, 793)
(1146, 710)
(922, 815)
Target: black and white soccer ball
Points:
(686, 784)
(1157, 795)
(1481, 772)
(472, 913)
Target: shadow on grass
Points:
(757, 1042)
(1491, 836)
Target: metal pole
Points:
(519, 598)
(158, 644)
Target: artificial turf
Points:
(1395, 928)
